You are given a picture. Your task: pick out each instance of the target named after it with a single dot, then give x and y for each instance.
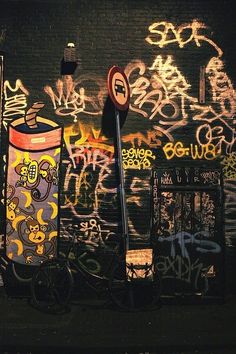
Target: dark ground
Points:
(90, 327)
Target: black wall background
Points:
(107, 32)
(34, 34)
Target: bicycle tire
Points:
(90, 265)
(51, 286)
(21, 274)
(134, 295)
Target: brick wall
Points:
(162, 63)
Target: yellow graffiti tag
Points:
(217, 120)
(87, 136)
(73, 97)
(14, 105)
(93, 138)
(163, 96)
(137, 158)
(229, 166)
(207, 152)
(164, 33)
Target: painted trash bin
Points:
(32, 181)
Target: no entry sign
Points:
(118, 88)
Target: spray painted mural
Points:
(32, 187)
(176, 124)
(161, 96)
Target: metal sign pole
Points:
(122, 187)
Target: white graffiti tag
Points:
(185, 238)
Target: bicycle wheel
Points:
(134, 295)
(51, 286)
(21, 272)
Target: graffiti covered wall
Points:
(182, 111)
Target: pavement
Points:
(92, 326)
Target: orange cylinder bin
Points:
(32, 180)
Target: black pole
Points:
(125, 232)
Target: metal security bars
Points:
(187, 231)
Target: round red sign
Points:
(118, 88)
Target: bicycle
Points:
(53, 282)
(131, 292)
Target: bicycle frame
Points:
(82, 261)
(97, 282)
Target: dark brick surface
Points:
(106, 33)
